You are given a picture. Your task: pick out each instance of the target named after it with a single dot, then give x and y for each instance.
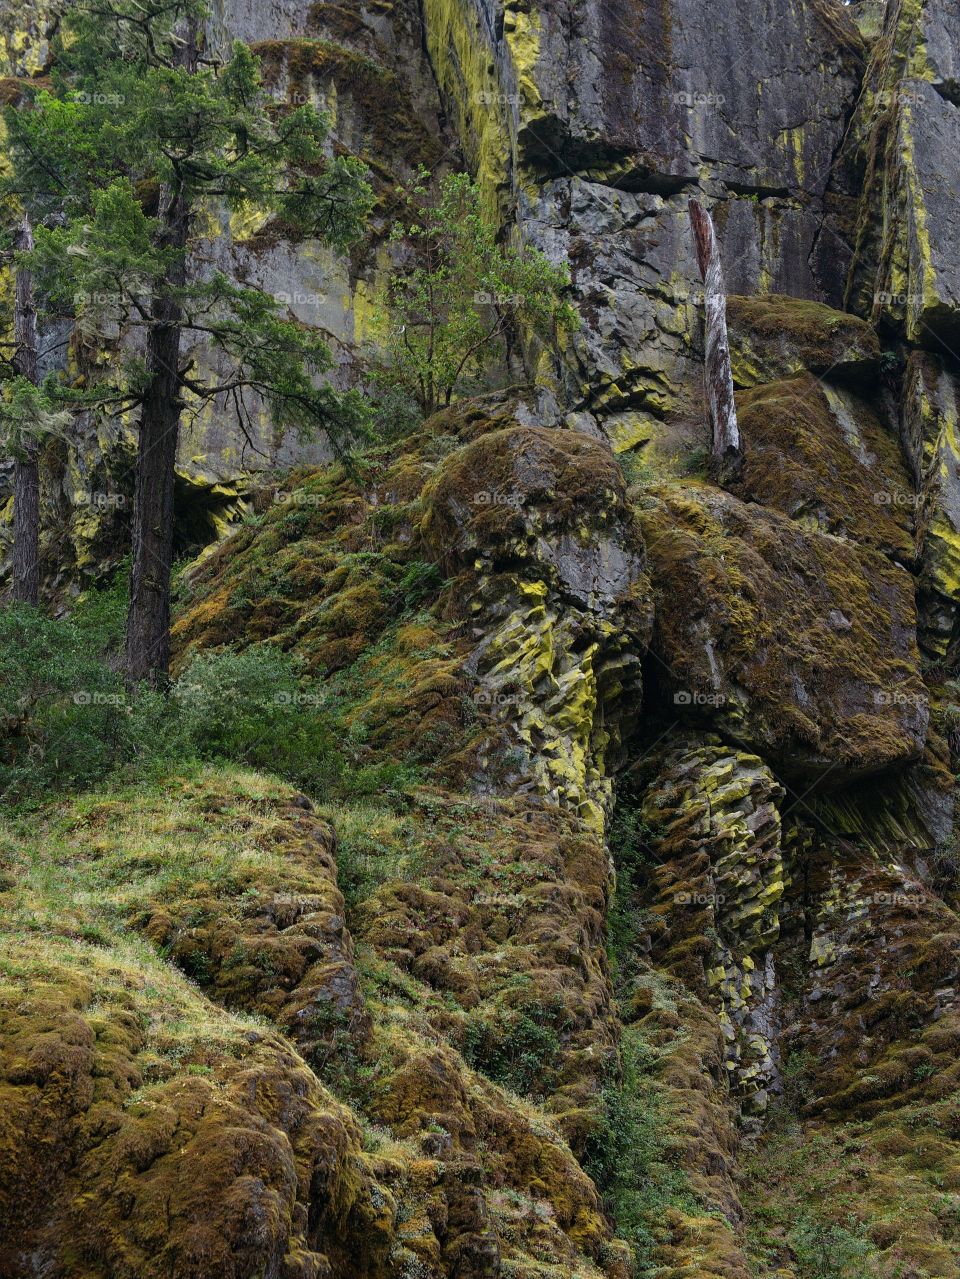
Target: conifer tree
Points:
(141, 133)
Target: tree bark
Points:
(148, 617)
(26, 470)
(726, 446)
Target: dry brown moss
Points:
(826, 461)
(142, 1132)
(808, 642)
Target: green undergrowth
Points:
(69, 722)
(630, 1156)
(853, 1201)
(629, 838)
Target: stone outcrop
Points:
(721, 877)
(801, 645)
(555, 564)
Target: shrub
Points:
(830, 1251)
(251, 707)
(519, 1050)
(66, 719)
(628, 1157)
(460, 300)
(631, 848)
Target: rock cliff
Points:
(654, 967)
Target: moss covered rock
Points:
(776, 336)
(800, 645)
(144, 1131)
(716, 896)
(537, 526)
(822, 456)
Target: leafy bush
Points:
(251, 707)
(460, 300)
(628, 1158)
(631, 848)
(519, 1050)
(830, 1251)
(66, 719)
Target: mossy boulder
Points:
(192, 1139)
(822, 456)
(799, 645)
(549, 563)
(505, 922)
(867, 1152)
(555, 497)
(144, 1132)
(775, 336)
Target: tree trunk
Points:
(26, 471)
(726, 447)
(148, 617)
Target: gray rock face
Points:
(901, 152)
(930, 418)
(616, 113)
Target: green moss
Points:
(804, 632)
(775, 336)
(824, 459)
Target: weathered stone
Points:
(780, 337)
(931, 437)
(801, 645)
(820, 454)
(721, 877)
(902, 146)
(557, 585)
